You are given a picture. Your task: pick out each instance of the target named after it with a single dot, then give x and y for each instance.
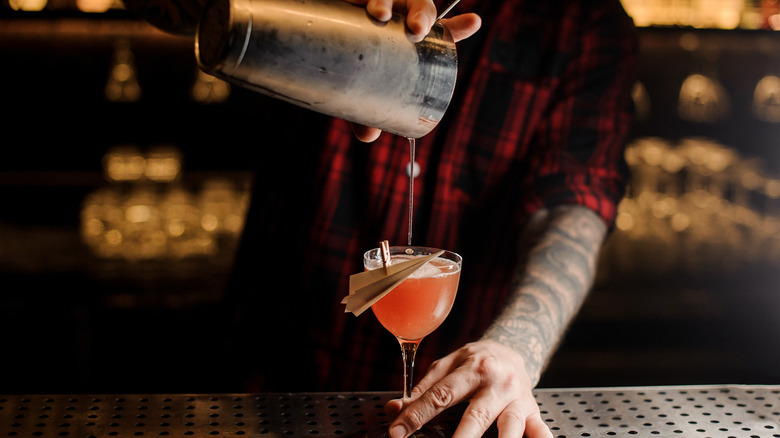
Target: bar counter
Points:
(685, 411)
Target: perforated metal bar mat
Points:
(697, 411)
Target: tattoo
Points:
(561, 248)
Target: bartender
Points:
(522, 178)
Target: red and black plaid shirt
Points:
(539, 118)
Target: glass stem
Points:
(409, 350)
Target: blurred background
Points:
(125, 178)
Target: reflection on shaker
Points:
(331, 57)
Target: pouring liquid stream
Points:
(412, 146)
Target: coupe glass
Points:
(416, 307)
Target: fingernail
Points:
(398, 431)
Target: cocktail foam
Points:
(435, 267)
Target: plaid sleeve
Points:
(581, 141)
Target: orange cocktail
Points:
(420, 303)
(416, 307)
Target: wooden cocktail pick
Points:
(366, 288)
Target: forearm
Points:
(559, 250)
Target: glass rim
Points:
(420, 250)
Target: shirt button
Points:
(412, 170)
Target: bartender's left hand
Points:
(420, 18)
(492, 377)
(420, 14)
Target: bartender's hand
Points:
(491, 377)
(420, 18)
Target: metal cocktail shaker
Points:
(330, 56)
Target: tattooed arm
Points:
(497, 373)
(562, 248)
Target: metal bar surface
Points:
(684, 411)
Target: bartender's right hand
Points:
(420, 18)
(491, 377)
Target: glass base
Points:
(424, 432)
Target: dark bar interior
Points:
(688, 287)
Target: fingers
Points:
(366, 134)
(435, 372)
(511, 424)
(393, 407)
(462, 26)
(382, 10)
(479, 415)
(450, 390)
(535, 428)
(517, 420)
(420, 16)
(492, 378)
